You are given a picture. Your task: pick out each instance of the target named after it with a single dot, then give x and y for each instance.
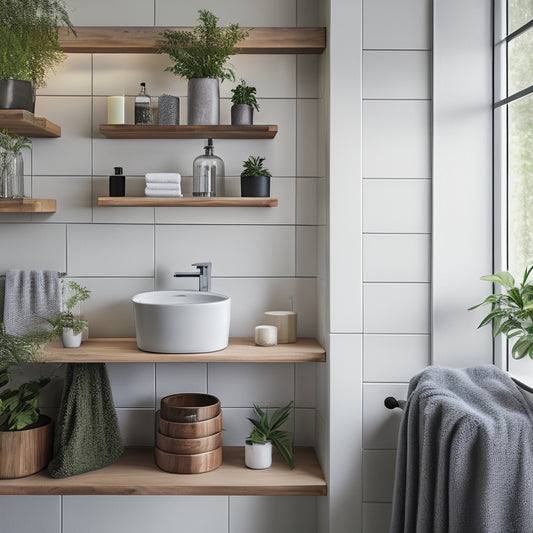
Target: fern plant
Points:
(29, 34)
(267, 428)
(202, 52)
(511, 311)
(244, 94)
(253, 166)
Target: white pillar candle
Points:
(266, 335)
(115, 109)
(285, 321)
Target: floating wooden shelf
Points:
(25, 123)
(27, 205)
(222, 131)
(190, 201)
(240, 350)
(147, 40)
(136, 473)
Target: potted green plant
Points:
(255, 179)
(511, 311)
(68, 324)
(244, 102)
(12, 164)
(30, 48)
(265, 433)
(26, 436)
(200, 56)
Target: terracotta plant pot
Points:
(26, 451)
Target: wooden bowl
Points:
(188, 446)
(189, 430)
(188, 464)
(189, 407)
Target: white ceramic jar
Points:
(258, 456)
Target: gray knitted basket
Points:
(169, 110)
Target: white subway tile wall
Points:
(397, 104)
(261, 257)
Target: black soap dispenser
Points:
(117, 183)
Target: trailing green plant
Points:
(253, 166)
(20, 408)
(202, 52)
(72, 294)
(511, 311)
(30, 38)
(267, 428)
(244, 94)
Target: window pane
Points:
(520, 183)
(520, 62)
(519, 12)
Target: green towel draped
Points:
(87, 434)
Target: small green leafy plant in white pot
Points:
(265, 433)
(68, 324)
(511, 311)
(201, 56)
(255, 179)
(244, 102)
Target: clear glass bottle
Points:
(11, 174)
(206, 169)
(143, 106)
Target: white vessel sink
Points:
(181, 321)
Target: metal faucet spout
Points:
(203, 275)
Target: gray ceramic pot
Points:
(242, 115)
(17, 94)
(203, 101)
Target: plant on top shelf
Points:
(12, 164)
(244, 102)
(511, 311)
(201, 56)
(267, 429)
(30, 50)
(255, 179)
(19, 409)
(68, 324)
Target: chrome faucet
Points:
(203, 275)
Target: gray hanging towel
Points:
(87, 434)
(30, 297)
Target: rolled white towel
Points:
(163, 177)
(163, 192)
(162, 186)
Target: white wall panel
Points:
(378, 475)
(133, 384)
(396, 74)
(391, 24)
(185, 377)
(396, 206)
(116, 13)
(30, 513)
(136, 426)
(397, 139)
(396, 258)
(306, 251)
(376, 517)
(138, 514)
(397, 307)
(72, 77)
(307, 142)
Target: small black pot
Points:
(242, 115)
(255, 186)
(17, 94)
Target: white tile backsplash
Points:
(376, 517)
(72, 77)
(396, 307)
(396, 206)
(306, 251)
(30, 513)
(139, 514)
(93, 250)
(307, 142)
(116, 13)
(378, 475)
(171, 378)
(136, 426)
(133, 384)
(396, 140)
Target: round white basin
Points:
(181, 321)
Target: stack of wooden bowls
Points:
(189, 433)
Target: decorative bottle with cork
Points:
(143, 106)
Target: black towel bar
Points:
(391, 403)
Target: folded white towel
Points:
(163, 177)
(162, 186)
(162, 192)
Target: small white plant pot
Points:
(258, 456)
(69, 339)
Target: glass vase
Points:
(11, 174)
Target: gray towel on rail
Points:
(465, 455)
(30, 297)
